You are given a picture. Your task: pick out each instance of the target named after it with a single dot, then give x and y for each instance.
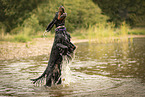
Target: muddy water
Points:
(115, 69)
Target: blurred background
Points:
(22, 20)
(110, 55)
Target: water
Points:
(115, 69)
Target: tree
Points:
(131, 11)
(14, 12)
(80, 13)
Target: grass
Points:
(137, 31)
(21, 38)
(15, 38)
(103, 33)
(107, 32)
(25, 35)
(80, 33)
(100, 33)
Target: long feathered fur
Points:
(41, 78)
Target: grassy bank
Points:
(23, 36)
(107, 32)
(137, 31)
(101, 33)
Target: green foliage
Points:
(2, 31)
(21, 38)
(38, 14)
(102, 32)
(80, 13)
(31, 25)
(80, 33)
(106, 32)
(14, 12)
(131, 11)
(16, 38)
(29, 29)
(16, 30)
(137, 31)
(83, 13)
(123, 29)
(21, 20)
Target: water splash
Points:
(66, 72)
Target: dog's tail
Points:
(39, 78)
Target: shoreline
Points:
(36, 47)
(12, 50)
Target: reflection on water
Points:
(119, 60)
(113, 69)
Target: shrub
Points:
(21, 38)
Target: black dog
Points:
(62, 46)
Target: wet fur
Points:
(61, 47)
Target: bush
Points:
(80, 13)
(21, 38)
(31, 25)
(137, 31)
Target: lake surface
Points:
(112, 70)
